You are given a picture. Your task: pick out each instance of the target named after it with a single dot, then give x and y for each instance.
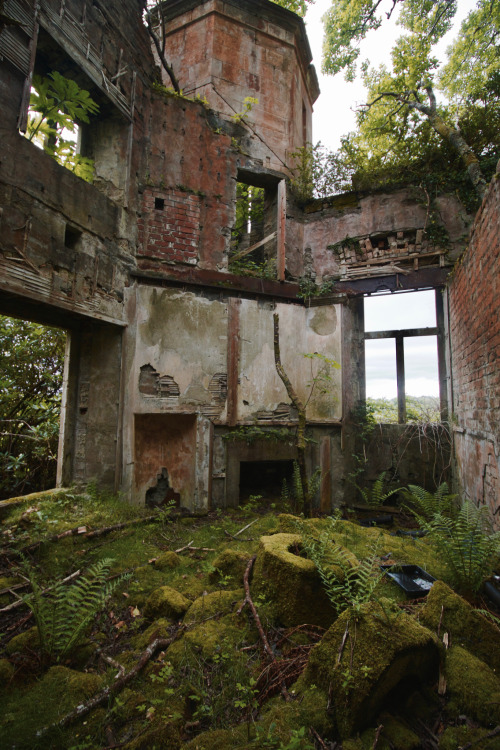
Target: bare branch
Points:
(161, 54)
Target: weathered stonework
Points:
(169, 352)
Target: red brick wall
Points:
(474, 307)
(171, 231)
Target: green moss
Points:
(395, 735)
(291, 581)
(377, 655)
(167, 561)
(213, 605)
(159, 629)
(166, 602)
(456, 737)
(164, 736)
(465, 626)
(219, 739)
(474, 688)
(26, 641)
(308, 708)
(7, 672)
(211, 637)
(229, 565)
(27, 710)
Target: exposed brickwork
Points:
(169, 227)
(474, 294)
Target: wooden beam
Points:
(233, 356)
(281, 230)
(253, 247)
(404, 333)
(400, 377)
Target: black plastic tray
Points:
(411, 578)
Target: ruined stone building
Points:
(170, 346)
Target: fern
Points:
(467, 545)
(64, 613)
(376, 496)
(297, 491)
(424, 504)
(356, 585)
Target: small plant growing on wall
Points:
(57, 105)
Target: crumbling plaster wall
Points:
(178, 364)
(474, 291)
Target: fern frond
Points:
(63, 615)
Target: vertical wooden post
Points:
(441, 350)
(233, 356)
(281, 230)
(400, 376)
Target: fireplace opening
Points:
(264, 478)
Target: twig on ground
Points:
(97, 700)
(318, 738)
(255, 614)
(182, 549)
(377, 735)
(20, 602)
(342, 643)
(82, 531)
(489, 736)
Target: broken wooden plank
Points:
(254, 247)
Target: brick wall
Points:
(169, 228)
(474, 305)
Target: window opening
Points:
(403, 363)
(159, 204)
(31, 363)
(253, 237)
(87, 134)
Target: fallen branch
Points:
(377, 735)
(233, 536)
(97, 700)
(318, 738)
(82, 531)
(489, 736)
(20, 602)
(255, 614)
(248, 600)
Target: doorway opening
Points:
(31, 384)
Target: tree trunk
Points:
(469, 158)
(301, 411)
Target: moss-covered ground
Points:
(434, 684)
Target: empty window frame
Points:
(104, 140)
(405, 366)
(257, 238)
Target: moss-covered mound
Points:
(229, 567)
(452, 614)
(378, 651)
(166, 602)
(58, 692)
(214, 605)
(474, 688)
(291, 582)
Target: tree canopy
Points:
(403, 123)
(31, 364)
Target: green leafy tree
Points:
(31, 366)
(402, 121)
(297, 6)
(58, 104)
